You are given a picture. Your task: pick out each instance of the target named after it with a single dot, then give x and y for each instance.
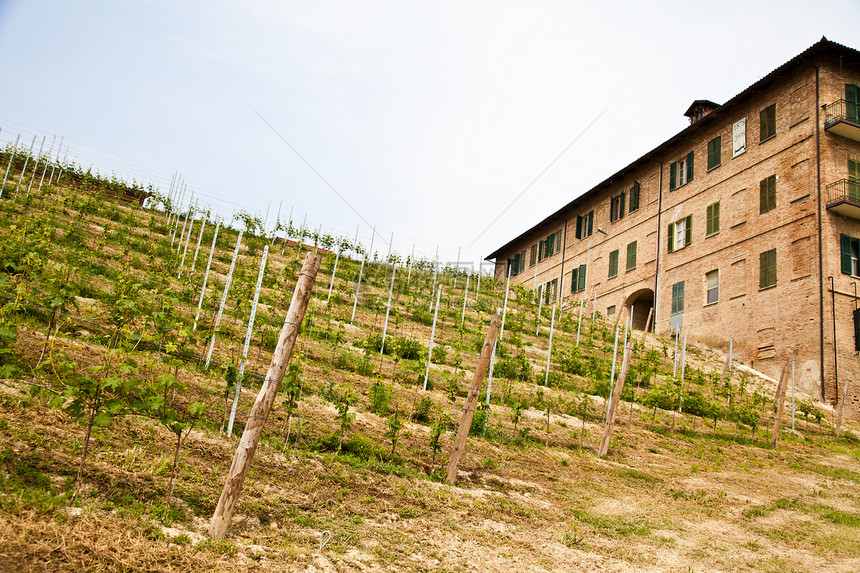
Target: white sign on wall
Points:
(739, 137)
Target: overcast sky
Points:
(427, 118)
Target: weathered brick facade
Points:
(772, 255)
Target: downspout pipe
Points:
(820, 248)
(835, 360)
(659, 239)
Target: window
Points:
(550, 291)
(767, 119)
(577, 279)
(712, 280)
(850, 255)
(631, 256)
(767, 269)
(681, 172)
(853, 180)
(610, 310)
(613, 263)
(517, 264)
(714, 152)
(634, 197)
(767, 189)
(852, 103)
(616, 208)
(584, 225)
(713, 224)
(549, 246)
(680, 233)
(678, 298)
(533, 258)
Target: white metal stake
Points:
(490, 373)
(26, 161)
(333, 273)
(197, 249)
(549, 350)
(360, 273)
(675, 355)
(432, 334)
(594, 307)
(223, 299)
(206, 275)
(683, 365)
(301, 241)
(247, 341)
(388, 309)
(465, 294)
(792, 394)
(505, 308)
(47, 161)
(56, 161)
(731, 347)
(372, 238)
(185, 250)
(60, 172)
(390, 244)
(170, 190)
(9, 165)
(317, 238)
(579, 322)
(277, 222)
(478, 286)
(411, 261)
(357, 287)
(612, 375)
(36, 166)
(534, 280)
(188, 213)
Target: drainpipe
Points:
(833, 311)
(820, 248)
(659, 241)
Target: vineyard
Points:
(133, 342)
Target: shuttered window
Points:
(767, 119)
(714, 152)
(852, 103)
(613, 263)
(681, 172)
(533, 258)
(631, 256)
(850, 255)
(680, 233)
(767, 194)
(713, 220)
(767, 269)
(634, 197)
(577, 279)
(584, 225)
(678, 297)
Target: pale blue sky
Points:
(428, 117)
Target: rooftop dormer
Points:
(699, 109)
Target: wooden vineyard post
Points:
(779, 399)
(616, 397)
(842, 407)
(260, 411)
(472, 398)
(647, 324)
(728, 365)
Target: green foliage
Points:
(380, 397)
(514, 367)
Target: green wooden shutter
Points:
(852, 93)
(688, 232)
(579, 226)
(762, 265)
(845, 244)
(573, 279)
(581, 285)
(673, 176)
(671, 237)
(634, 197)
(762, 196)
(558, 241)
(590, 221)
(853, 170)
(690, 166)
(621, 205)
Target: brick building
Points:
(744, 226)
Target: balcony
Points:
(843, 197)
(843, 118)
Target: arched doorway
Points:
(640, 304)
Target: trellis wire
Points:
(223, 299)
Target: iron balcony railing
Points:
(844, 190)
(842, 110)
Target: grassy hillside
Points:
(97, 330)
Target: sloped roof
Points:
(819, 47)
